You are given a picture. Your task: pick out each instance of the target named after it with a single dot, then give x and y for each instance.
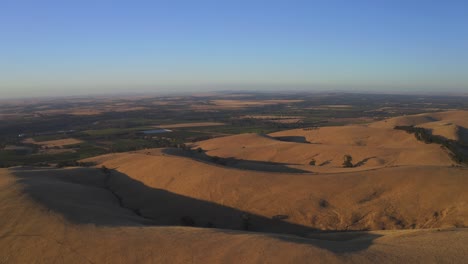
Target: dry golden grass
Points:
(370, 148)
(374, 199)
(70, 216)
(83, 215)
(452, 124)
(56, 151)
(54, 143)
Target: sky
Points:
(71, 47)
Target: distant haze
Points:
(94, 47)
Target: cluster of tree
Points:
(457, 151)
(199, 138)
(61, 164)
(347, 161)
(310, 128)
(74, 163)
(8, 164)
(124, 146)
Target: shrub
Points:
(323, 203)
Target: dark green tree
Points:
(347, 161)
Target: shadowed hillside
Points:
(90, 196)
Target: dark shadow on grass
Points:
(111, 198)
(325, 163)
(364, 161)
(295, 139)
(337, 242)
(233, 162)
(80, 195)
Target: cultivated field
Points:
(54, 143)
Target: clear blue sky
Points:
(89, 46)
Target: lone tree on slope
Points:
(347, 161)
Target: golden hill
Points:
(389, 198)
(76, 216)
(371, 146)
(452, 124)
(249, 199)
